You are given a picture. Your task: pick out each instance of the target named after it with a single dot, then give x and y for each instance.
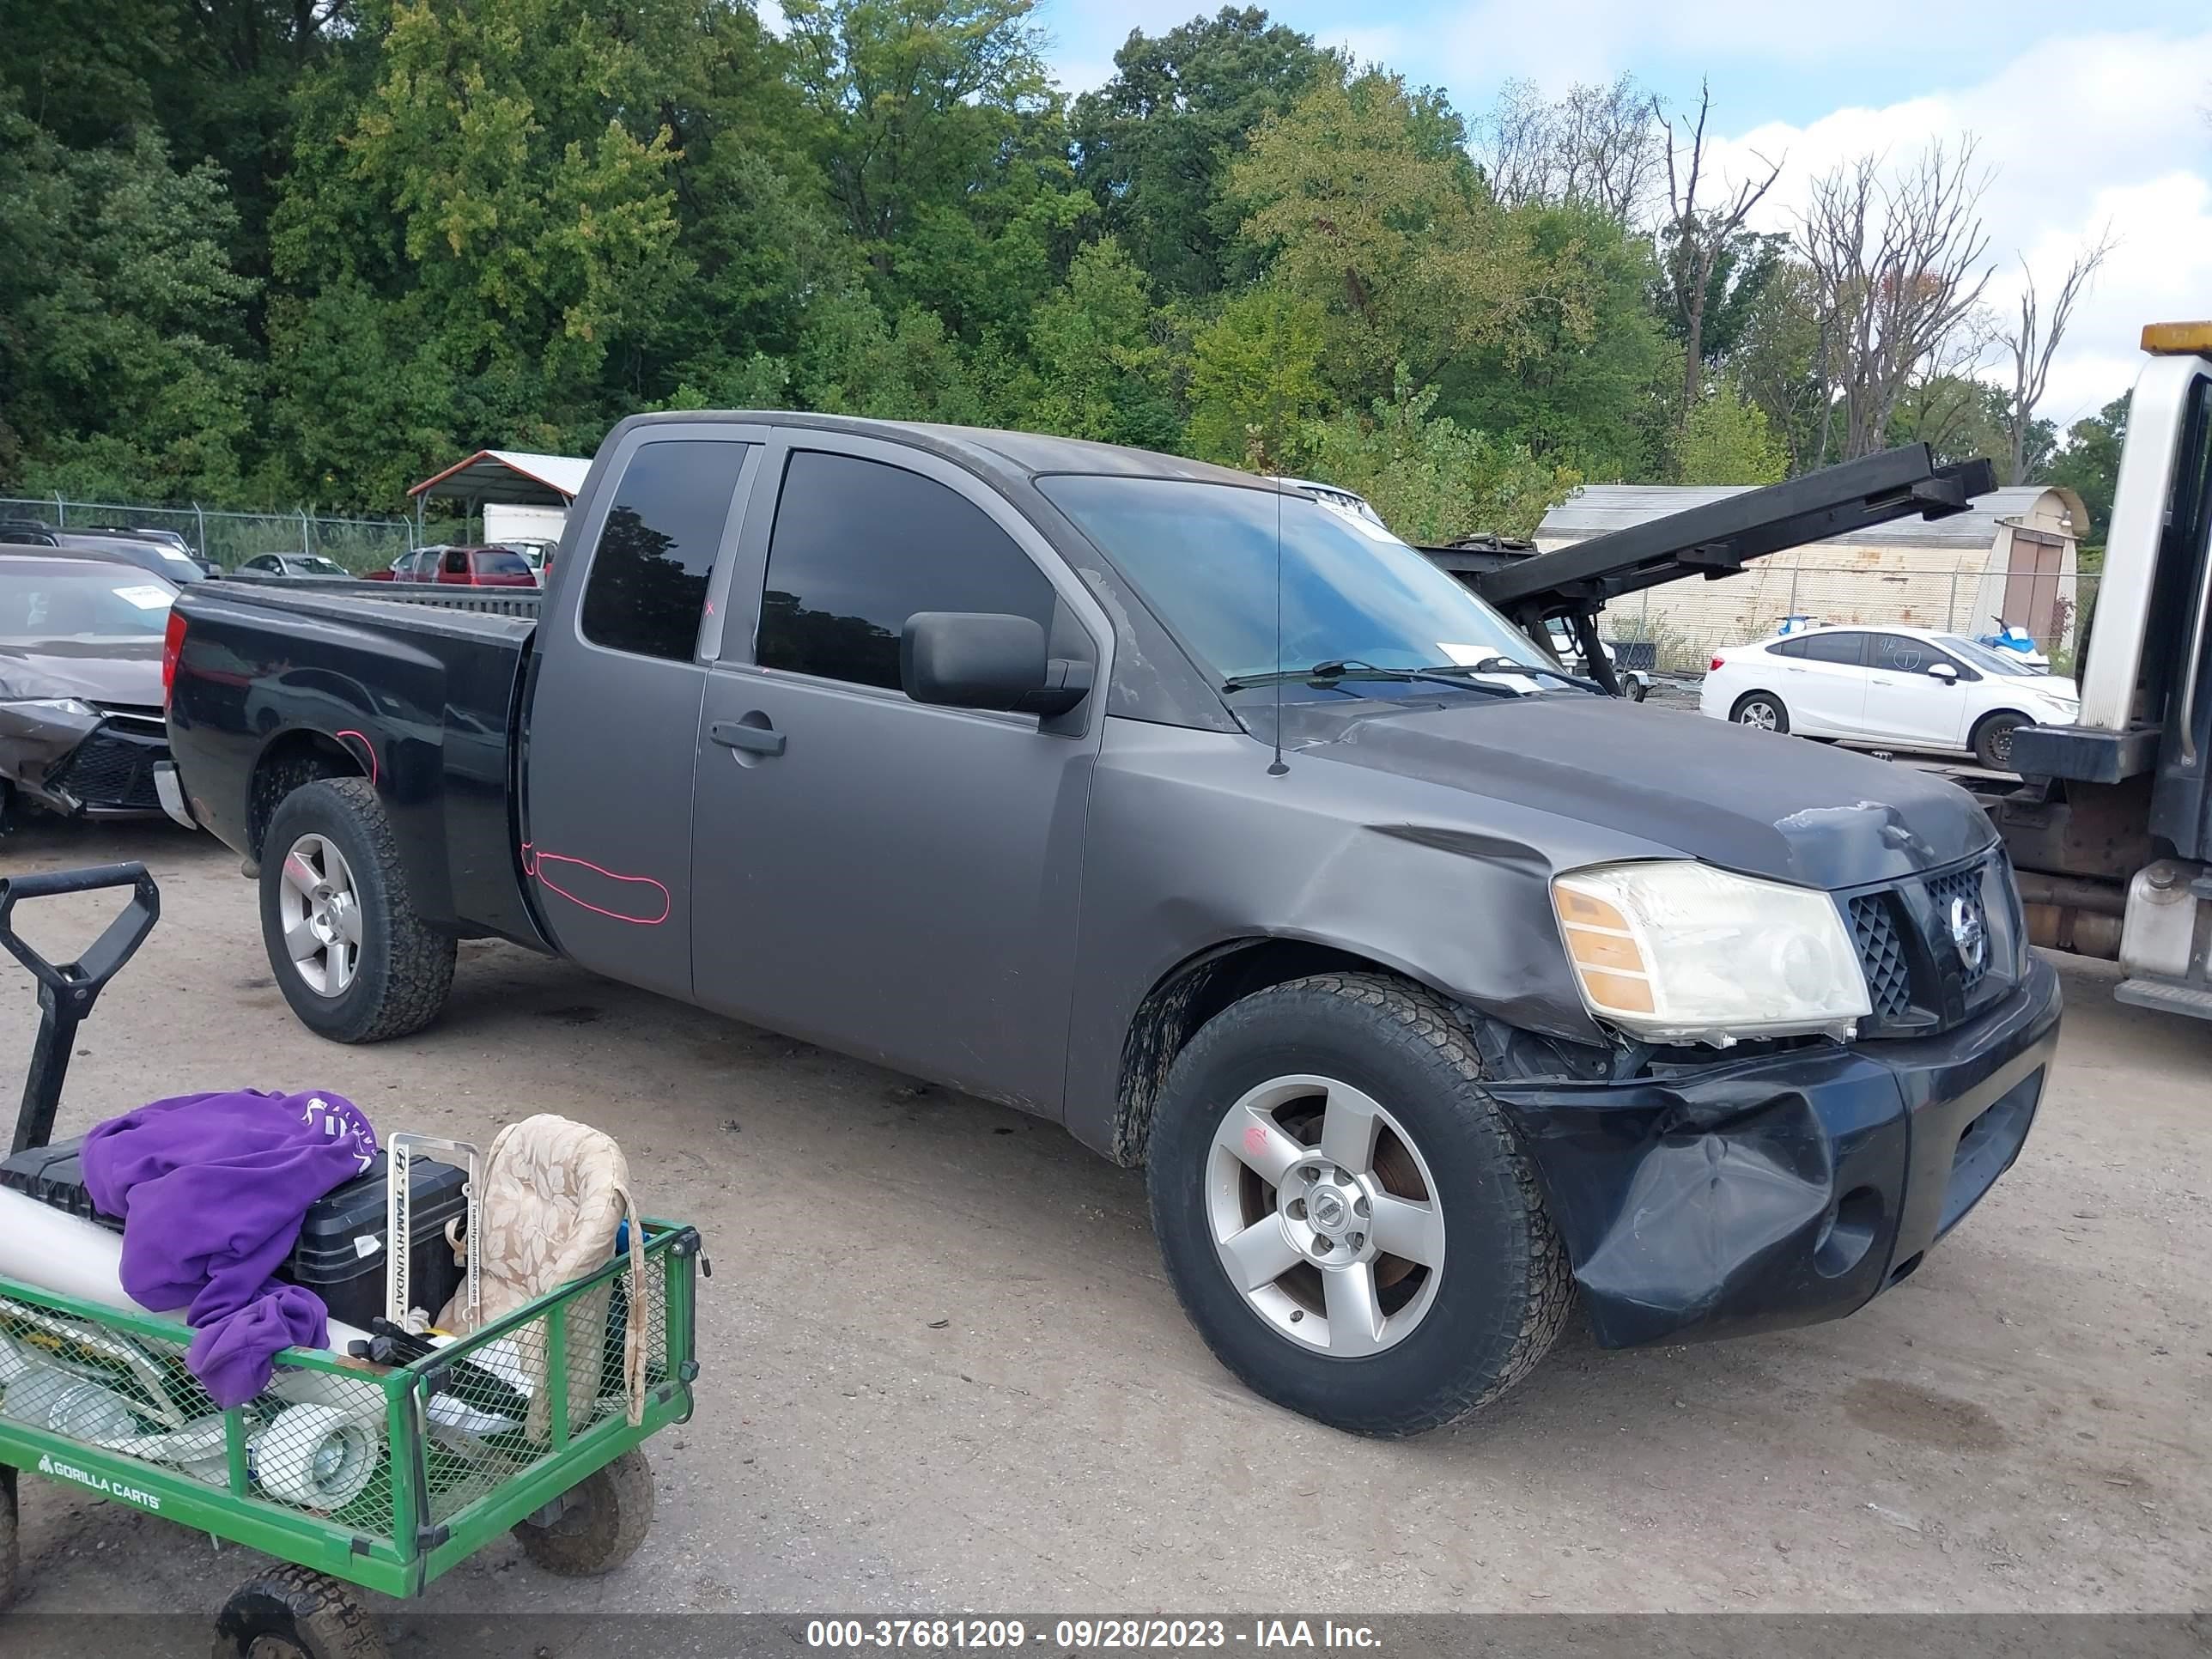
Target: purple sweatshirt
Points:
(212, 1189)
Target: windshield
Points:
(1203, 555)
(1983, 658)
(313, 565)
(92, 604)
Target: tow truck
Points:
(2109, 824)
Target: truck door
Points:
(892, 880)
(613, 716)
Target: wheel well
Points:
(1189, 995)
(292, 761)
(1734, 707)
(1998, 714)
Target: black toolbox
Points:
(340, 1254)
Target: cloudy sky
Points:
(2090, 114)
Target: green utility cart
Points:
(352, 1474)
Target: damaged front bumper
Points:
(1783, 1190)
(82, 762)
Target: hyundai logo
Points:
(1968, 934)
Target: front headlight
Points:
(1681, 952)
(69, 705)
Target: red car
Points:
(484, 567)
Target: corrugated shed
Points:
(1597, 509)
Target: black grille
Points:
(109, 769)
(1882, 954)
(1965, 886)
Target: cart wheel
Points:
(597, 1524)
(10, 1562)
(291, 1613)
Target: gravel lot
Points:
(944, 1371)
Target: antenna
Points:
(1277, 767)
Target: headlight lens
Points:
(51, 706)
(1681, 952)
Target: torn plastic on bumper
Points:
(36, 741)
(1783, 1190)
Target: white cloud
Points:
(2082, 133)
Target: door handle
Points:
(753, 739)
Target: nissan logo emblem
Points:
(1968, 934)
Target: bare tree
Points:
(2035, 342)
(1597, 147)
(1895, 258)
(1697, 237)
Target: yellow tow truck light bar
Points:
(2178, 339)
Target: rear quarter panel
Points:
(420, 699)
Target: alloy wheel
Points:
(321, 914)
(1324, 1215)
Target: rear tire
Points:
(391, 976)
(1993, 739)
(1760, 710)
(1478, 1288)
(605, 1517)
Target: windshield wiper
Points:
(1329, 673)
(1507, 665)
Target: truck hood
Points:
(1781, 807)
(118, 671)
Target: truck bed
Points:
(409, 692)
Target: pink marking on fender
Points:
(534, 863)
(1255, 1141)
(367, 744)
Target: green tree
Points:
(943, 150)
(1775, 359)
(1587, 382)
(1155, 141)
(484, 212)
(1432, 479)
(1365, 201)
(1100, 369)
(1255, 380)
(124, 366)
(1726, 440)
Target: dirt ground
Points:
(944, 1371)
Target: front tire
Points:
(1993, 740)
(1345, 1216)
(1762, 711)
(292, 1612)
(352, 957)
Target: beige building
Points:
(2010, 553)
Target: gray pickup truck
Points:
(1437, 994)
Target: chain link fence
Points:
(1685, 622)
(231, 539)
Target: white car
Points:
(1905, 688)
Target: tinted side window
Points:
(1836, 648)
(858, 547)
(1787, 648)
(648, 580)
(1900, 653)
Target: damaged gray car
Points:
(81, 685)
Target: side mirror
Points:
(1943, 671)
(977, 660)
